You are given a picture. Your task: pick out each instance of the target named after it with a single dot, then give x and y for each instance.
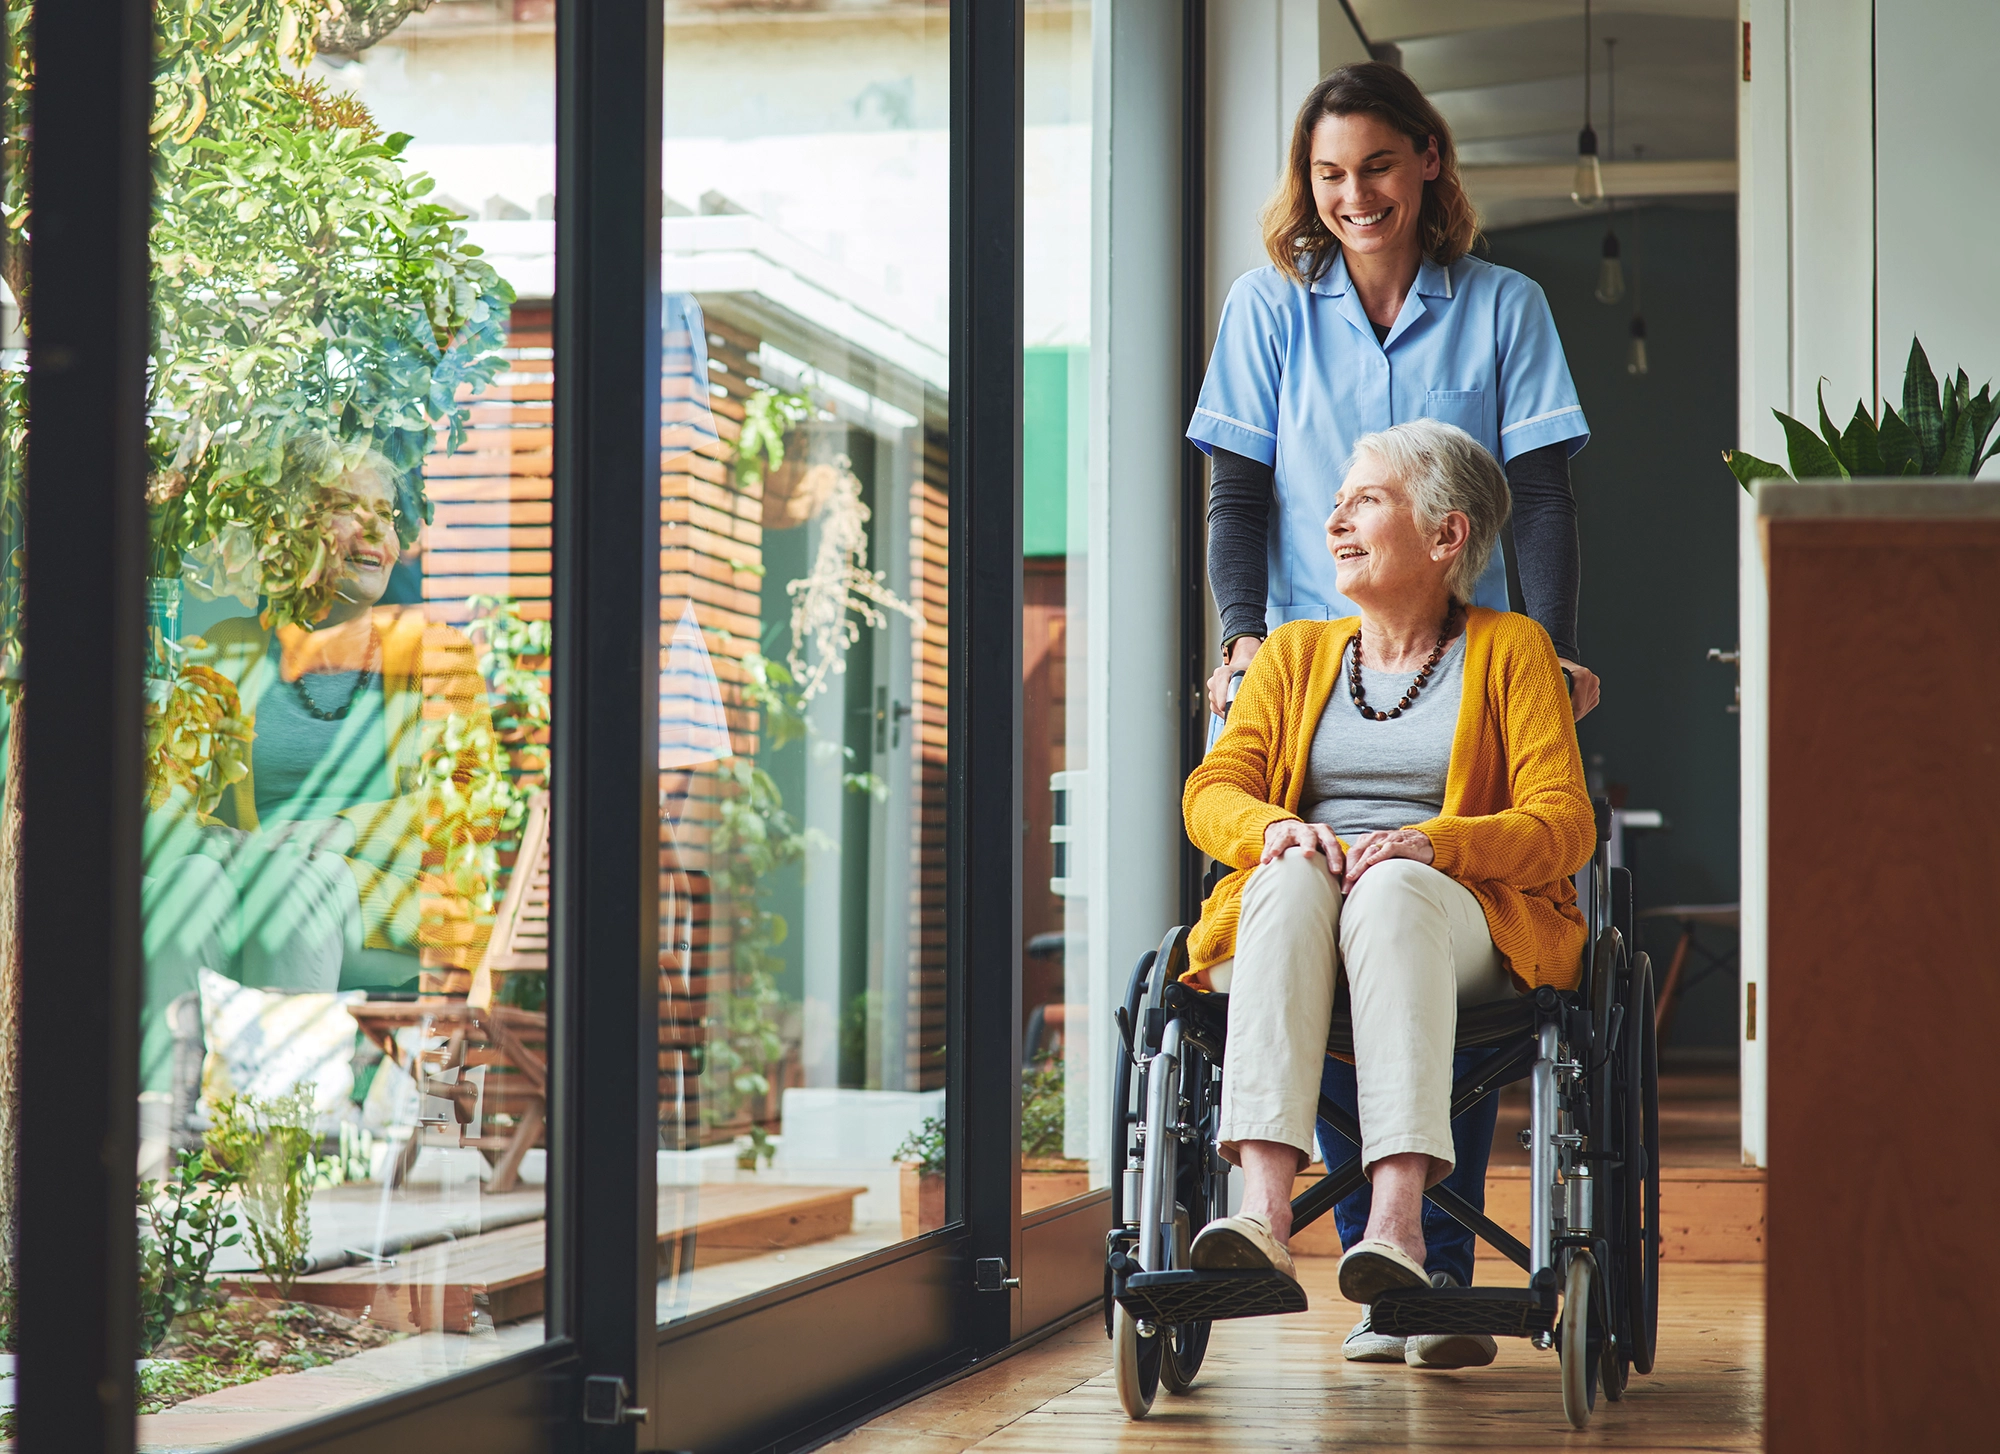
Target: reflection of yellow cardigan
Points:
(1517, 822)
(429, 671)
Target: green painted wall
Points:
(1657, 512)
(1055, 448)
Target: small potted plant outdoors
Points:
(921, 1157)
(1047, 1176)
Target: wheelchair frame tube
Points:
(1156, 1202)
(1542, 1150)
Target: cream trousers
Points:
(1415, 947)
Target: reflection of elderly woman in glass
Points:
(321, 868)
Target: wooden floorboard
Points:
(1279, 1384)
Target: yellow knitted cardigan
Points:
(1517, 822)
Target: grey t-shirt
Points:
(1364, 775)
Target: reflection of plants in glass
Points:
(838, 588)
(185, 1227)
(197, 740)
(768, 415)
(514, 660)
(305, 288)
(753, 837)
(267, 1146)
(1042, 1108)
(925, 1146)
(467, 795)
(353, 25)
(860, 1013)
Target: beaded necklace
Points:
(1360, 693)
(362, 681)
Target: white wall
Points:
(1132, 688)
(1939, 185)
(1859, 226)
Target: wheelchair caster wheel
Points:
(1579, 1341)
(1136, 1362)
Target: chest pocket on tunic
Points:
(1464, 407)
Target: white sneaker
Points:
(1365, 1345)
(1450, 1350)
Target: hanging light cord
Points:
(1610, 98)
(1586, 65)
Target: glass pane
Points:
(14, 160)
(1058, 1157)
(803, 642)
(343, 1037)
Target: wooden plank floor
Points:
(1273, 1384)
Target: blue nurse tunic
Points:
(1297, 375)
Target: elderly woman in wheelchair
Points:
(1402, 800)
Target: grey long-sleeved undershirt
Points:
(1239, 523)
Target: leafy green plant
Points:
(1042, 1108)
(162, 1385)
(514, 660)
(1941, 431)
(925, 1146)
(185, 1226)
(768, 415)
(753, 837)
(307, 296)
(759, 1147)
(267, 1146)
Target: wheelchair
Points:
(1592, 1260)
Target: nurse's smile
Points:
(1368, 188)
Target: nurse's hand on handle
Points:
(1240, 652)
(1583, 690)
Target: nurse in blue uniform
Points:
(1373, 312)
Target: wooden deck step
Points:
(498, 1276)
(1711, 1206)
(1707, 1213)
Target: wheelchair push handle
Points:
(1215, 723)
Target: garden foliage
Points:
(184, 1226)
(266, 1146)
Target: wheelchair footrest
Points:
(1501, 1312)
(1172, 1298)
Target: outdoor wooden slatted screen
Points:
(492, 536)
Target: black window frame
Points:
(848, 1341)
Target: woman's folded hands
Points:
(1345, 868)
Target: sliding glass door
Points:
(558, 540)
(804, 630)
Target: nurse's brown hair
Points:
(1299, 244)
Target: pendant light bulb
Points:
(1586, 188)
(1610, 272)
(1635, 357)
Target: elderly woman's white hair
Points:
(1446, 469)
